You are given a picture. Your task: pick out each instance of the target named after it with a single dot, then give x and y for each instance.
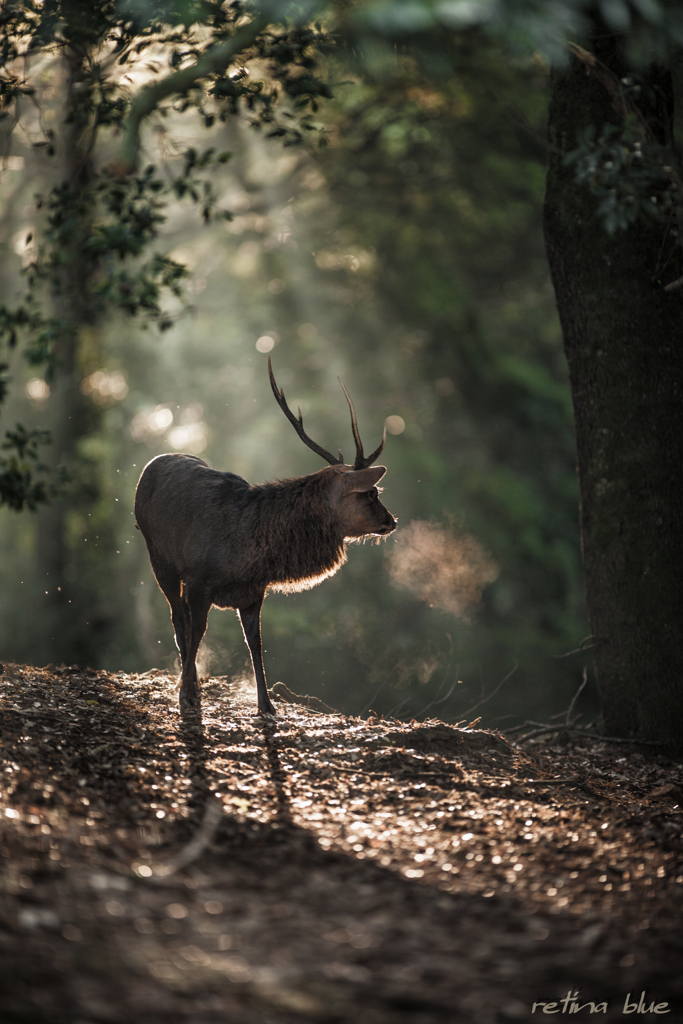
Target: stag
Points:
(214, 540)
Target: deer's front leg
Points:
(251, 624)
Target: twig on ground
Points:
(249, 778)
(568, 719)
(527, 724)
(673, 285)
(551, 782)
(398, 708)
(583, 646)
(460, 785)
(547, 729)
(493, 692)
(434, 702)
(376, 694)
(567, 724)
(355, 771)
(287, 696)
(443, 682)
(31, 712)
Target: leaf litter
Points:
(223, 866)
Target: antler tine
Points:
(377, 452)
(354, 427)
(298, 424)
(362, 462)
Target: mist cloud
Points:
(445, 570)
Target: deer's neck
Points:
(297, 529)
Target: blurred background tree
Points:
(405, 257)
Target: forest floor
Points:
(228, 868)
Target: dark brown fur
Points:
(215, 540)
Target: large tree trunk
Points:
(624, 345)
(71, 619)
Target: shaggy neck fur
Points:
(295, 532)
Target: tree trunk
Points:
(70, 617)
(622, 335)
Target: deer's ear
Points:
(364, 479)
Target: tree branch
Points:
(572, 730)
(216, 58)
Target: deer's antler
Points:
(362, 462)
(298, 424)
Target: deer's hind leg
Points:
(195, 606)
(170, 585)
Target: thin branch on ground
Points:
(398, 707)
(583, 646)
(566, 715)
(550, 782)
(547, 729)
(492, 694)
(34, 714)
(442, 683)
(527, 725)
(355, 771)
(568, 719)
(434, 702)
(674, 285)
(373, 698)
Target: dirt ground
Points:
(226, 867)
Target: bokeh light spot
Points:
(444, 386)
(395, 424)
(37, 389)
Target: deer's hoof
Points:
(189, 699)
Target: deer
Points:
(216, 541)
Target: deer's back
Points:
(187, 511)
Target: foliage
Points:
(19, 488)
(99, 223)
(632, 171)
(628, 175)
(649, 27)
